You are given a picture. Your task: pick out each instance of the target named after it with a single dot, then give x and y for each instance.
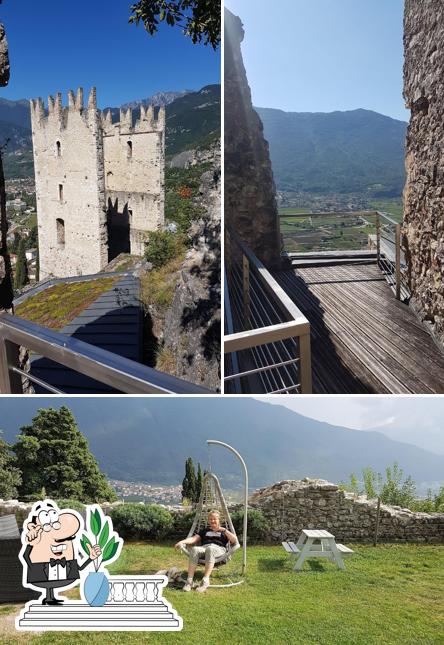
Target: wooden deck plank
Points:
(363, 339)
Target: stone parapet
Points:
(290, 506)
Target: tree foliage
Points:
(192, 482)
(200, 20)
(21, 268)
(161, 247)
(10, 476)
(189, 481)
(395, 489)
(54, 455)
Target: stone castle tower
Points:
(99, 185)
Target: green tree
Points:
(189, 481)
(372, 483)
(199, 482)
(53, 454)
(199, 19)
(396, 490)
(21, 268)
(10, 476)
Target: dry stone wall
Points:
(250, 202)
(423, 229)
(290, 506)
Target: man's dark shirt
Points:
(208, 536)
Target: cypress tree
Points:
(21, 268)
(189, 481)
(54, 455)
(199, 482)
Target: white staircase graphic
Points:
(135, 604)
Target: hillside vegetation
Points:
(358, 151)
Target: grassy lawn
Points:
(57, 306)
(388, 595)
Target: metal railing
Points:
(389, 252)
(122, 374)
(267, 344)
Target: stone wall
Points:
(99, 185)
(6, 294)
(134, 171)
(250, 203)
(423, 229)
(70, 188)
(290, 506)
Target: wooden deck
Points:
(363, 340)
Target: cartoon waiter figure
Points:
(48, 550)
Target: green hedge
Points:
(141, 522)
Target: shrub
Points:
(181, 525)
(141, 522)
(72, 504)
(160, 247)
(257, 526)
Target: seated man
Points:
(210, 543)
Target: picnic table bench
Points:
(316, 543)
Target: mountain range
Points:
(357, 151)
(192, 121)
(149, 440)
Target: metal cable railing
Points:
(121, 374)
(267, 344)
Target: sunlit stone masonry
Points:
(99, 184)
(423, 229)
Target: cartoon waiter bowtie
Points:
(49, 554)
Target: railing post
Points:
(398, 260)
(10, 383)
(378, 237)
(246, 289)
(305, 363)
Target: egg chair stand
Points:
(212, 499)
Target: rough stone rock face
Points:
(6, 294)
(290, 506)
(250, 202)
(423, 229)
(4, 58)
(192, 324)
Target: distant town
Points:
(168, 496)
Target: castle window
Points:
(59, 148)
(61, 192)
(129, 149)
(60, 232)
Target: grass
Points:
(158, 285)
(57, 306)
(393, 207)
(390, 594)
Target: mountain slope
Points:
(149, 440)
(192, 121)
(358, 151)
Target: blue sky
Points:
(324, 55)
(56, 45)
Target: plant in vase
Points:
(96, 585)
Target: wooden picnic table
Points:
(316, 543)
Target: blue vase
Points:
(96, 589)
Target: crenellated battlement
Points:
(145, 123)
(56, 110)
(99, 187)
